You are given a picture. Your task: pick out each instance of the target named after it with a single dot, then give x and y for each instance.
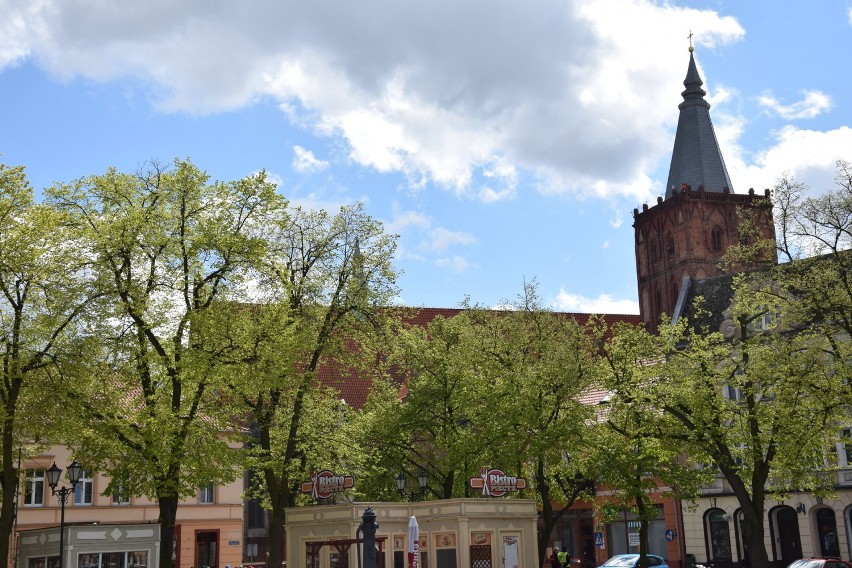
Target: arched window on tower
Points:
(716, 238)
(669, 245)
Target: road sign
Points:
(599, 541)
(670, 535)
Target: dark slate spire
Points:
(696, 158)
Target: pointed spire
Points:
(693, 82)
(696, 157)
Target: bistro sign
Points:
(495, 482)
(323, 484)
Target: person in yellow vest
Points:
(563, 557)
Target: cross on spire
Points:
(690, 40)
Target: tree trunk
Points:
(643, 532)
(276, 538)
(9, 481)
(549, 517)
(168, 519)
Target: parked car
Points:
(820, 562)
(632, 561)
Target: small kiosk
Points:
(453, 533)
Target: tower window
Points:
(669, 245)
(716, 238)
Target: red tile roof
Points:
(354, 387)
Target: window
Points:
(670, 247)
(207, 494)
(133, 559)
(256, 515)
(733, 393)
(846, 444)
(716, 238)
(34, 487)
(121, 491)
(83, 489)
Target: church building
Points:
(682, 238)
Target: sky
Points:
(504, 142)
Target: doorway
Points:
(207, 549)
(788, 542)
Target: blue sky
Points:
(502, 141)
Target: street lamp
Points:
(75, 471)
(402, 482)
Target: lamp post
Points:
(402, 482)
(75, 471)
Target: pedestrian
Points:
(554, 560)
(564, 557)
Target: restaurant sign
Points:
(495, 482)
(323, 484)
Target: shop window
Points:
(717, 535)
(131, 559)
(624, 534)
(445, 551)
(827, 530)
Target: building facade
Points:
(209, 531)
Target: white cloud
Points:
(403, 220)
(812, 105)
(304, 161)
(605, 245)
(456, 263)
(809, 155)
(603, 304)
(467, 97)
(442, 238)
(849, 15)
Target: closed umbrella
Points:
(413, 543)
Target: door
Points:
(206, 549)
(789, 541)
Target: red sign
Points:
(495, 482)
(324, 484)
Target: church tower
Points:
(682, 238)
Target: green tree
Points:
(632, 455)
(763, 406)
(435, 427)
(322, 295)
(42, 294)
(497, 388)
(163, 246)
(539, 364)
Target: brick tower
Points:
(682, 237)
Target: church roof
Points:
(696, 158)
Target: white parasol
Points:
(413, 543)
